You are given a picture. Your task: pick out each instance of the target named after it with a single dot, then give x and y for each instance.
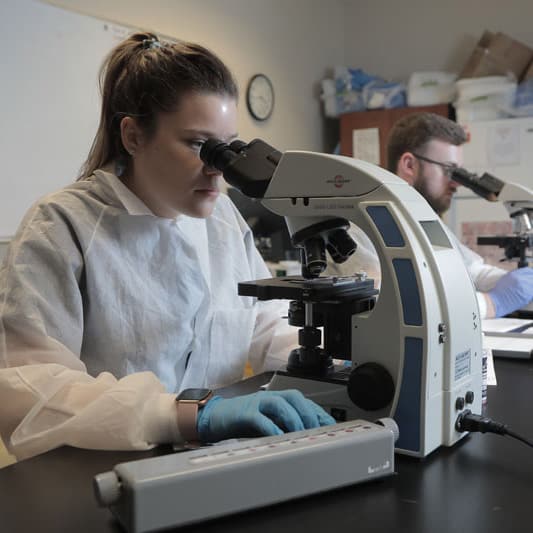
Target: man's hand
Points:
(512, 291)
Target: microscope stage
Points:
(316, 290)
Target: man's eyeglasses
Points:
(447, 169)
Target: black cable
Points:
(468, 421)
(520, 438)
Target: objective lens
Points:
(340, 245)
(315, 256)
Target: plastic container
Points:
(337, 104)
(380, 94)
(486, 98)
(355, 90)
(523, 101)
(328, 87)
(469, 89)
(430, 88)
(351, 79)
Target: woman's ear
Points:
(131, 135)
(407, 168)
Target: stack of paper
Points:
(509, 337)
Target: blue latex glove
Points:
(258, 414)
(512, 291)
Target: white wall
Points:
(297, 42)
(294, 42)
(3, 249)
(394, 38)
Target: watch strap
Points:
(187, 420)
(187, 415)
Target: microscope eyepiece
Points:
(217, 154)
(247, 167)
(237, 145)
(486, 186)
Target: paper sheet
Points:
(499, 325)
(503, 145)
(491, 372)
(365, 145)
(522, 346)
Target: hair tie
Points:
(150, 43)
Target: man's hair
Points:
(413, 132)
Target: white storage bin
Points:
(474, 89)
(430, 88)
(486, 98)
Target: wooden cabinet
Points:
(382, 120)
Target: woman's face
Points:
(167, 172)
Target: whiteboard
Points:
(50, 101)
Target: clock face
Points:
(260, 97)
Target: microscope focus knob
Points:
(370, 386)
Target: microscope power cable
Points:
(468, 421)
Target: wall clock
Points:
(260, 97)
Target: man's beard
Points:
(439, 204)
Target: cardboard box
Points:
(497, 54)
(529, 73)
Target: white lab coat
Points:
(106, 311)
(366, 259)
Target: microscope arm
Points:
(518, 201)
(250, 169)
(423, 331)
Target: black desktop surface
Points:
(484, 484)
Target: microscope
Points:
(411, 351)
(517, 200)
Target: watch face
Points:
(195, 395)
(260, 97)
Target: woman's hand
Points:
(260, 414)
